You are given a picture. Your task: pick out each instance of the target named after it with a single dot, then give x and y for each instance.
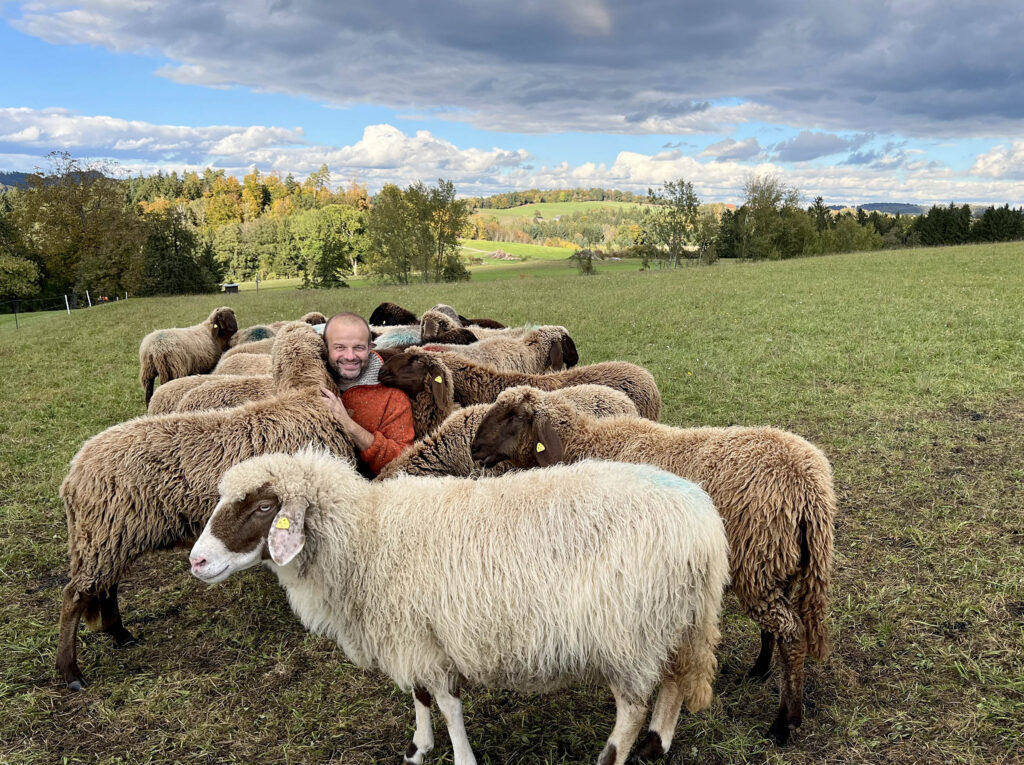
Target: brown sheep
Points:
(179, 352)
(244, 364)
(773, 489)
(151, 483)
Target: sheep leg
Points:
(72, 607)
(451, 708)
(689, 680)
(763, 665)
(423, 738)
(629, 717)
(792, 651)
(110, 618)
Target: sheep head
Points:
(434, 324)
(414, 371)
(223, 325)
(448, 311)
(390, 315)
(560, 349)
(518, 427)
(313, 318)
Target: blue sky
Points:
(910, 100)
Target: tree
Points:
(447, 219)
(78, 225)
(766, 199)
(19, 277)
(329, 241)
(394, 238)
(673, 220)
(175, 261)
(821, 214)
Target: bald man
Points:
(377, 418)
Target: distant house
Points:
(230, 288)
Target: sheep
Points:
(150, 483)
(436, 327)
(773, 489)
(167, 397)
(446, 451)
(595, 571)
(252, 334)
(539, 350)
(482, 323)
(312, 318)
(414, 370)
(390, 315)
(245, 364)
(266, 345)
(171, 353)
(220, 391)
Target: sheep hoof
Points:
(123, 638)
(780, 730)
(649, 749)
(77, 685)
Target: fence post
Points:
(88, 298)
(67, 305)
(126, 295)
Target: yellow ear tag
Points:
(540, 446)
(283, 523)
(439, 379)
(215, 326)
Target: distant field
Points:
(905, 367)
(550, 209)
(479, 248)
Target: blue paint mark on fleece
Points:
(664, 479)
(260, 333)
(397, 338)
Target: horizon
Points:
(861, 105)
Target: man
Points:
(378, 419)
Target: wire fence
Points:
(72, 301)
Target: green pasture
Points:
(549, 210)
(480, 248)
(904, 366)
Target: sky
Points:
(861, 101)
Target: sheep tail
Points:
(816, 561)
(147, 374)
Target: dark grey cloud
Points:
(808, 145)
(928, 68)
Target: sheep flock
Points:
(544, 529)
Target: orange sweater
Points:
(385, 412)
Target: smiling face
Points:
(348, 347)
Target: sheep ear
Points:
(555, 355)
(437, 386)
(287, 537)
(547, 446)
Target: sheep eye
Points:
(265, 507)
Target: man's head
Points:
(347, 336)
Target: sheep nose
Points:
(198, 562)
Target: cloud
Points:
(733, 149)
(575, 64)
(1001, 162)
(808, 145)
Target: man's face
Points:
(348, 348)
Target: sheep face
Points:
(561, 348)
(223, 324)
(517, 428)
(414, 373)
(390, 315)
(243, 532)
(313, 318)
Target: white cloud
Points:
(1001, 162)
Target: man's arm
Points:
(396, 432)
(361, 437)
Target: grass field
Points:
(479, 248)
(905, 367)
(549, 210)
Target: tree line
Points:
(77, 226)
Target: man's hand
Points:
(361, 437)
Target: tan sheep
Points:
(167, 397)
(179, 352)
(416, 371)
(773, 489)
(151, 483)
(539, 350)
(248, 364)
(220, 391)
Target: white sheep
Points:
(595, 571)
